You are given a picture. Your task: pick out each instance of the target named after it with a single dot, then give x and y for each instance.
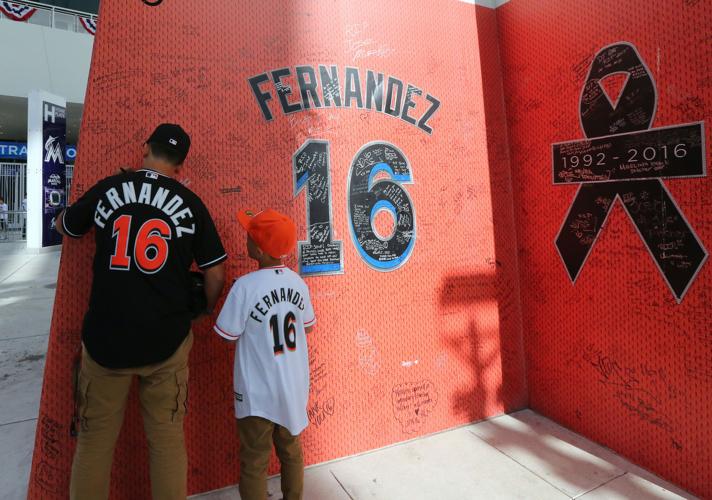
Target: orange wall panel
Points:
(613, 356)
(445, 325)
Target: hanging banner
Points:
(46, 166)
(89, 24)
(17, 12)
(54, 170)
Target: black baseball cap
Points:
(172, 137)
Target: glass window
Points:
(91, 6)
(64, 21)
(41, 17)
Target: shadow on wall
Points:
(506, 260)
(492, 344)
(492, 388)
(483, 396)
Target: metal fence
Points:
(13, 189)
(56, 17)
(13, 226)
(13, 185)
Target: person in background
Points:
(269, 312)
(3, 218)
(24, 217)
(149, 229)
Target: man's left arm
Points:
(78, 218)
(59, 223)
(214, 283)
(210, 256)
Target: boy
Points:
(270, 312)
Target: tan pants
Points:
(256, 437)
(102, 395)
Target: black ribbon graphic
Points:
(623, 158)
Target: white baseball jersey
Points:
(267, 312)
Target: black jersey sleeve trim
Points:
(213, 262)
(64, 225)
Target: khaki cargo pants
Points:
(256, 438)
(102, 395)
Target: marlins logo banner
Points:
(54, 170)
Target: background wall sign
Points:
(10, 150)
(46, 167)
(626, 164)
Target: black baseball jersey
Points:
(149, 229)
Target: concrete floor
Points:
(522, 455)
(517, 456)
(27, 286)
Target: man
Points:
(149, 229)
(24, 216)
(3, 218)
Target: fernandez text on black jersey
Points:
(149, 230)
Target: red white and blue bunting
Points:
(17, 12)
(89, 24)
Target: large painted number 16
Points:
(368, 194)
